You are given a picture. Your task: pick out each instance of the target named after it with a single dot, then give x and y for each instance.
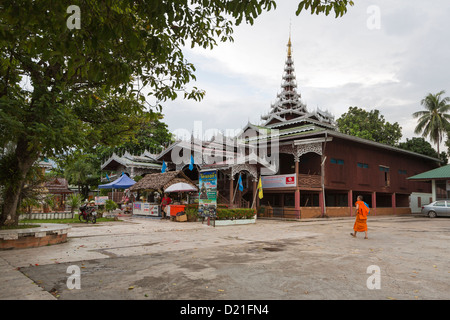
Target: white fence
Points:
(50, 215)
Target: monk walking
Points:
(362, 210)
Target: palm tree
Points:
(433, 121)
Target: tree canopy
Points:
(81, 167)
(152, 136)
(369, 125)
(318, 7)
(419, 145)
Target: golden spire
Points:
(289, 42)
(289, 46)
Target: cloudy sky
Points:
(383, 54)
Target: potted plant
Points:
(191, 213)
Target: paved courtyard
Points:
(142, 258)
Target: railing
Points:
(239, 203)
(244, 203)
(221, 199)
(45, 216)
(309, 181)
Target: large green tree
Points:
(69, 69)
(369, 125)
(82, 170)
(81, 167)
(434, 121)
(152, 136)
(420, 145)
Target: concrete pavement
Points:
(14, 285)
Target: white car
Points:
(440, 208)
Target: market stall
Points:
(124, 182)
(151, 188)
(179, 187)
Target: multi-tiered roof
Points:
(289, 111)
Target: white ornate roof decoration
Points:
(289, 108)
(324, 116)
(145, 160)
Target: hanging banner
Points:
(207, 199)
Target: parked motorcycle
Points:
(87, 213)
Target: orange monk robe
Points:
(361, 217)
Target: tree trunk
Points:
(23, 161)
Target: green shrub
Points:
(74, 201)
(234, 214)
(110, 205)
(223, 212)
(191, 211)
(192, 206)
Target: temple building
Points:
(307, 167)
(131, 165)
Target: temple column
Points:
(297, 203)
(350, 202)
(394, 203)
(297, 188)
(255, 186)
(231, 191)
(374, 203)
(321, 203)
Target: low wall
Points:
(338, 212)
(45, 234)
(390, 211)
(310, 212)
(233, 222)
(49, 215)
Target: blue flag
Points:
(241, 187)
(191, 165)
(164, 167)
(107, 177)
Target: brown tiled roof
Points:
(57, 185)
